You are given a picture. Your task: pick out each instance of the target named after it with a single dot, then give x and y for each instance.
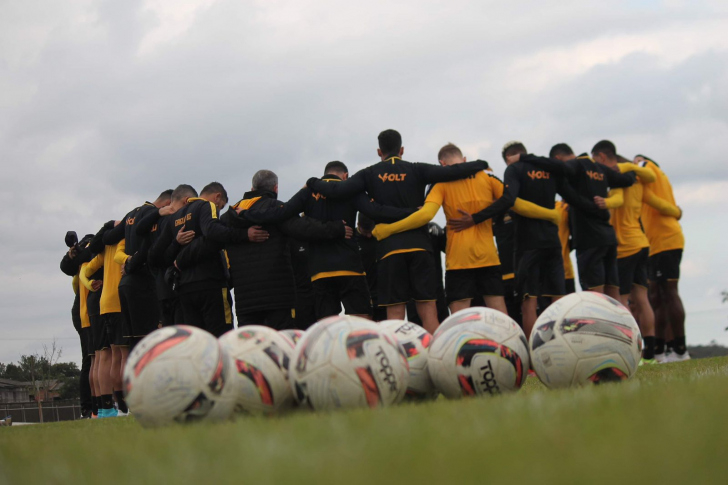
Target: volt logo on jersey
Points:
(539, 174)
(595, 175)
(318, 196)
(392, 177)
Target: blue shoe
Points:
(108, 413)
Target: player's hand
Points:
(72, 252)
(96, 285)
(681, 213)
(600, 202)
(462, 223)
(123, 269)
(185, 237)
(116, 223)
(348, 231)
(167, 210)
(257, 234)
(381, 231)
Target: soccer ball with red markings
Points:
(479, 352)
(261, 358)
(293, 334)
(585, 338)
(348, 362)
(415, 341)
(179, 374)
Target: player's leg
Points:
(528, 282)
(510, 295)
(489, 284)
(393, 286)
(676, 311)
(190, 306)
(280, 318)
(354, 295)
(85, 385)
(326, 297)
(553, 281)
(460, 288)
(104, 373)
(216, 308)
(611, 272)
(590, 265)
(422, 275)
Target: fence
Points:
(27, 412)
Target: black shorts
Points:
(170, 312)
(406, 276)
(139, 309)
(99, 337)
(633, 271)
(278, 319)
(665, 266)
(570, 286)
(598, 267)
(87, 342)
(351, 291)
(115, 329)
(540, 272)
(513, 303)
(464, 284)
(209, 309)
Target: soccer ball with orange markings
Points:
(478, 352)
(585, 338)
(348, 362)
(261, 358)
(293, 334)
(416, 343)
(179, 374)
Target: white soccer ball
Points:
(480, 352)
(585, 338)
(292, 334)
(348, 362)
(179, 374)
(261, 358)
(416, 343)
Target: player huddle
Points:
(180, 260)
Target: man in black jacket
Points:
(406, 270)
(262, 274)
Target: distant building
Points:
(13, 391)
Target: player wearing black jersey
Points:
(405, 269)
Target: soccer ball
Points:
(179, 373)
(585, 338)
(292, 334)
(261, 357)
(416, 343)
(348, 362)
(481, 351)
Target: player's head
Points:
(214, 192)
(181, 194)
(642, 158)
(265, 180)
(164, 199)
(562, 151)
(337, 168)
(365, 225)
(390, 144)
(513, 148)
(604, 152)
(450, 155)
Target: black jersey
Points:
(591, 179)
(503, 230)
(152, 226)
(397, 183)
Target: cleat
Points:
(675, 357)
(648, 361)
(108, 413)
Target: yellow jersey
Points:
(663, 232)
(112, 276)
(564, 233)
(626, 222)
(473, 247)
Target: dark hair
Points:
(449, 150)
(183, 192)
(166, 194)
(264, 180)
(215, 188)
(513, 147)
(335, 166)
(606, 147)
(390, 141)
(560, 149)
(366, 223)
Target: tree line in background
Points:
(45, 375)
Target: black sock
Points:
(680, 347)
(106, 401)
(649, 351)
(119, 396)
(95, 404)
(670, 346)
(659, 345)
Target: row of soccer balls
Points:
(182, 373)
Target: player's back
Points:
(396, 182)
(663, 232)
(590, 181)
(538, 186)
(626, 222)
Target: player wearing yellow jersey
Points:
(471, 261)
(666, 247)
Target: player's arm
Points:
(310, 229)
(120, 256)
(578, 201)
(615, 200)
(145, 225)
(275, 215)
(157, 255)
(646, 175)
(214, 230)
(556, 167)
(379, 212)
(661, 205)
(432, 174)
(115, 234)
(618, 180)
(340, 190)
(200, 249)
(87, 271)
(528, 209)
(418, 219)
(511, 188)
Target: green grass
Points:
(667, 425)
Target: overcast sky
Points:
(105, 104)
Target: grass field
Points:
(667, 425)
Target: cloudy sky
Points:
(104, 104)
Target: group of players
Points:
(178, 260)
